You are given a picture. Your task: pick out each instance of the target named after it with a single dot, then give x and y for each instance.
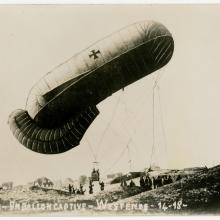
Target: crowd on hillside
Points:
(148, 183)
(81, 190)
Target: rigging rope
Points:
(155, 86)
(153, 125)
(125, 127)
(162, 122)
(130, 139)
(157, 89)
(108, 125)
(129, 156)
(90, 147)
(117, 160)
(95, 155)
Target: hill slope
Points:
(199, 194)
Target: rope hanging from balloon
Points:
(156, 89)
(95, 155)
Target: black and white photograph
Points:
(109, 110)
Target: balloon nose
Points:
(152, 29)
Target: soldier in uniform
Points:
(132, 183)
(142, 182)
(148, 183)
(102, 185)
(178, 178)
(73, 190)
(70, 189)
(169, 180)
(78, 192)
(91, 187)
(81, 189)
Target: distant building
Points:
(135, 174)
(7, 185)
(192, 170)
(83, 179)
(114, 175)
(154, 168)
(43, 182)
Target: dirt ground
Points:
(199, 194)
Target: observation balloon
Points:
(62, 105)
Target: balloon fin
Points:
(51, 141)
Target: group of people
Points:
(148, 183)
(79, 191)
(91, 185)
(95, 174)
(154, 182)
(125, 184)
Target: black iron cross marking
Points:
(94, 54)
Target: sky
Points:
(35, 39)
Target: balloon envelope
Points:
(62, 105)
